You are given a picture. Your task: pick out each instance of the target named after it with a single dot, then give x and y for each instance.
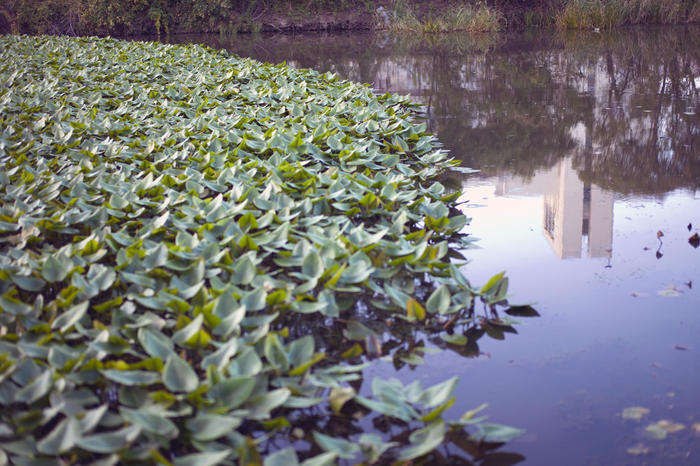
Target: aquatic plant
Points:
(197, 251)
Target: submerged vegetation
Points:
(200, 254)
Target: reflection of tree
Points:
(645, 129)
(510, 105)
(506, 119)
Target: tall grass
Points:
(605, 14)
(470, 18)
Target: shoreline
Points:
(73, 17)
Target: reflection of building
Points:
(578, 217)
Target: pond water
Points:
(588, 147)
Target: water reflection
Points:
(577, 218)
(588, 145)
(522, 103)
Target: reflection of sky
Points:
(595, 348)
(605, 340)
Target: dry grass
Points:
(605, 14)
(469, 18)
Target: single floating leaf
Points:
(178, 375)
(634, 412)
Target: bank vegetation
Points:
(228, 17)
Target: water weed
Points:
(199, 255)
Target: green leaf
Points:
(101, 277)
(243, 272)
(221, 356)
(188, 331)
(131, 378)
(69, 318)
(202, 459)
(424, 441)
(61, 438)
(439, 393)
(178, 375)
(39, 387)
(496, 433)
(312, 266)
(109, 442)
(153, 422)
(54, 270)
(28, 283)
(355, 273)
(255, 300)
(284, 457)
(324, 459)
(396, 408)
(344, 448)
(493, 281)
(206, 427)
(455, 339)
(301, 350)
(437, 412)
(439, 301)
(14, 306)
(92, 417)
(246, 363)
(373, 447)
(275, 353)
(232, 392)
(155, 343)
(354, 330)
(259, 407)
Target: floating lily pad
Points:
(662, 428)
(638, 449)
(635, 412)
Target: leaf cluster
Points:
(170, 214)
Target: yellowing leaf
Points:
(414, 310)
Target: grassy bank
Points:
(459, 17)
(199, 255)
(125, 17)
(605, 14)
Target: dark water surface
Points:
(588, 146)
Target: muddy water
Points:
(589, 151)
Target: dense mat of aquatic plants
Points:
(182, 230)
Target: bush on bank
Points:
(126, 17)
